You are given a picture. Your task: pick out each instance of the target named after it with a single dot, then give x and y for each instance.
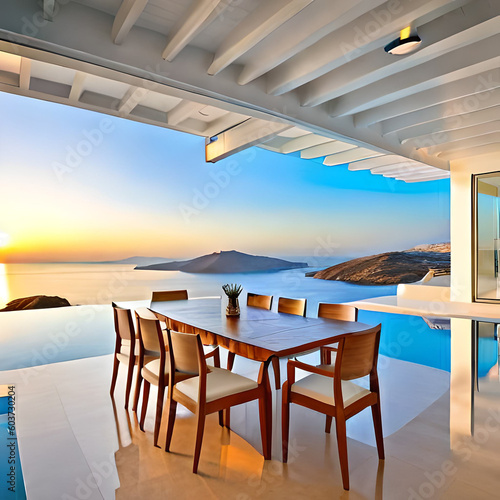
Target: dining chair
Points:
(165, 296)
(154, 372)
(296, 307)
(343, 312)
(332, 392)
(126, 348)
(253, 300)
(204, 390)
(292, 306)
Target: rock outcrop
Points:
(391, 268)
(35, 302)
(226, 262)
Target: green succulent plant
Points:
(232, 291)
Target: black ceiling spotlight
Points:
(405, 44)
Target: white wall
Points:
(461, 220)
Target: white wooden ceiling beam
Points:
(448, 109)
(306, 28)
(304, 142)
(349, 156)
(471, 142)
(430, 130)
(487, 80)
(77, 86)
(461, 63)
(250, 133)
(199, 15)
(400, 167)
(459, 28)
(379, 161)
(182, 111)
(326, 149)
(49, 9)
(424, 178)
(127, 15)
(350, 42)
(470, 152)
(224, 122)
(25, 73)
(131, 99)
(265, 19)
(446, 137)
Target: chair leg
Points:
(227, 417)
(145, 399)
(285, 421)
(159, 411)
(130, 374)
(377, 424)
(116, 363)
(328, 424)
(138, 383)
(230, 360)
(342, 445)
(172, 409)
(217, 358)
(221, 418)
(277, 374)
(199, 439)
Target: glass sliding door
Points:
(487, 237)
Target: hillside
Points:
(226, 262)
(390, 268)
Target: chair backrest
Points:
(292, 306)
(358, 354)
(342, 312)
(164, 296)
(186, 353)
(260, 301)
(124, 325)
(149, 331)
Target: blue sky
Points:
(78, 185)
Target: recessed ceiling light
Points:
(405, 44)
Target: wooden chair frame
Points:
(202, 408)
(284, 307)
(343, 312)
(147, 384)
(133, 359)
(349, 371)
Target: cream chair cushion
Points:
(220, 383)
(151, 371)
(321, 388)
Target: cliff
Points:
(391, 268)
(35, 302)
(226, 262)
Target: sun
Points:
(4, 239)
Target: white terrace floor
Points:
(68, 429)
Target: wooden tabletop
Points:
(257, 334)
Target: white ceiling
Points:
(317, 64)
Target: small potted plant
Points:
(232, 292)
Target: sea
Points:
(407, 338)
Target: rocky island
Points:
(226, 262)
(391, 268)
(35, 302)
